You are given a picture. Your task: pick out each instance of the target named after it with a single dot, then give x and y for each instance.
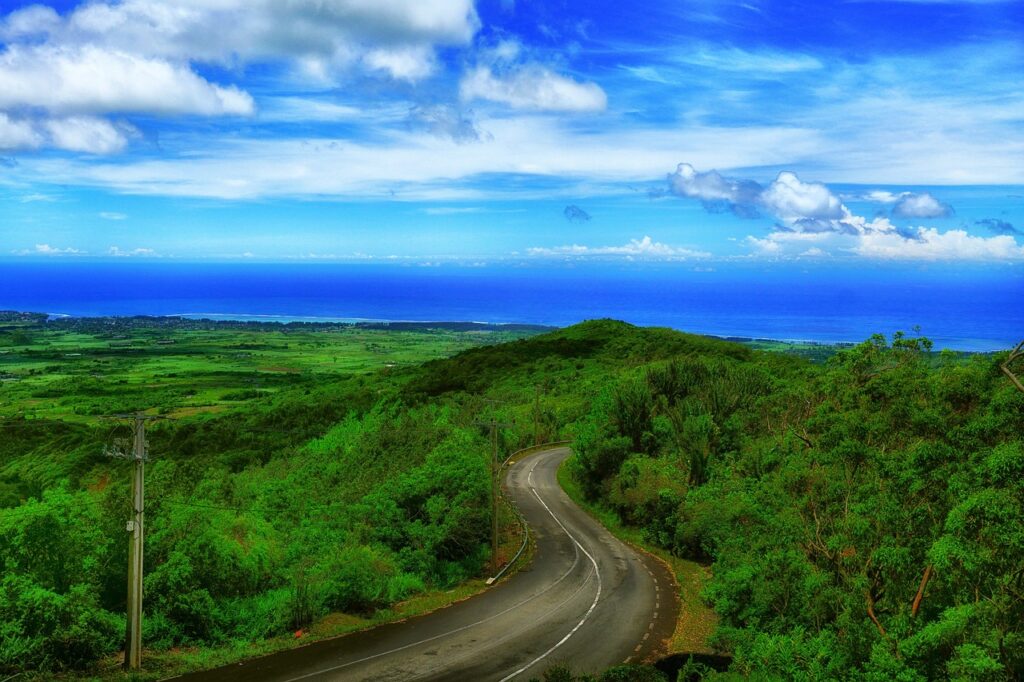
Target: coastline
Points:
(327, 322)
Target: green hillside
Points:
(863, 518)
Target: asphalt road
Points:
(586, 600)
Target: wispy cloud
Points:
(646, 249)
(47, 250)
(139, 252)
(38, 197)
(451, 210)
(532, 86)
(507, 75)
(734, 59)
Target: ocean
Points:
(964, 308)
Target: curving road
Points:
(587, 601)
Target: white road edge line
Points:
(597, 596)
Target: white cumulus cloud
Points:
(809, 212)
(923, 205)
(788, 198)
(90, 79)
(927, 243)
(407, 63)
(792, 200)
(88, 134)
(108, 58)
(18, 134)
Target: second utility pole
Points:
(494, 496)
(133, 645)
(137, 456)
(493, 424)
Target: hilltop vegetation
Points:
(862, 517)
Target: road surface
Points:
(586, 600)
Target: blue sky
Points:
(697, 133)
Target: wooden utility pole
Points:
(495, 484)
(137, 455)
(133, 651)
(494, 496)
(536, 414)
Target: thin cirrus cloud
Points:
(809, 215)
(426, 166)
(763, 63)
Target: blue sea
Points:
(965, 308)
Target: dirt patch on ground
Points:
(192, 411)
(101, 483)
(696, 621)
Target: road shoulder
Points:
(687, 624)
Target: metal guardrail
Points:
(522, 521)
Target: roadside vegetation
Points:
(852, 513)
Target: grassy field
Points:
(78, 370)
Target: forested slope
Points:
(864, 520)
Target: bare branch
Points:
(920, 590)
(1016, 353)
(871, 614)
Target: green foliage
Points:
(335, 496)
(824, 496)
(821, 494)
(41, 628)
